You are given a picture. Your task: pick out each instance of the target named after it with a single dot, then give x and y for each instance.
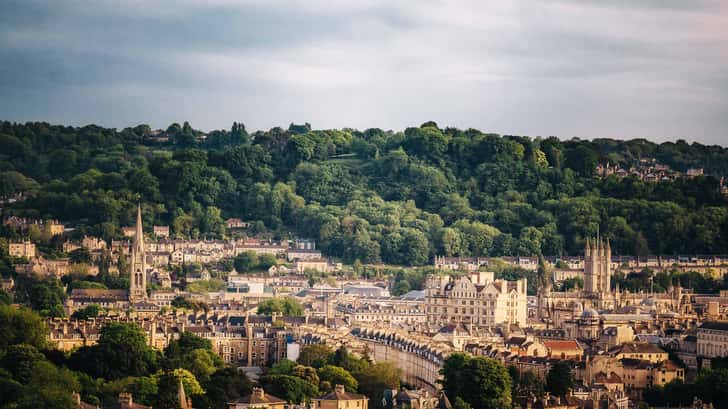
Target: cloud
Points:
(618, 68)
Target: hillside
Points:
(373, 195)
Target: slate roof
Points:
(715, 325)
(339, 395)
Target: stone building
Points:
(713, 339)
(476, 299)
(24, 249)
(340, 399)
(239, 340)
(258, 399)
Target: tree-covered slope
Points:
(373, 195)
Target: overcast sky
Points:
(588, 68)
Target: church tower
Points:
(138, 264)
(597, 266)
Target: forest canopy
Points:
(372, 195)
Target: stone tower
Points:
(597, 266)
(138, 264)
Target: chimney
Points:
(258, 393)
(125, 399)
(339, 389)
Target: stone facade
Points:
(476, 299)
(24, 249)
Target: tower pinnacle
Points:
(138, 264)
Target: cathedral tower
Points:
(597, 266)
(138, 265)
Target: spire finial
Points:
(139, 233)
(181, 396)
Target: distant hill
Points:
(372, 195)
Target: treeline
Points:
(481, 382)
(35, 375)
(319, 369)
(373, 196)
(647, 280)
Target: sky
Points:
(655, 69)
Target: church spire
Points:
(138, 264)
(183, 402)
(139, 234)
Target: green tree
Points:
(401, 287)
(168, 384)
(287, 306)
(315, 355)
(226, 385)
(122, 350)
(21, 326)
(193, 353)
(282, 367)
(335, 375)
(451, 242)
(43, 295)
(290, 388)
(479, 381)
(307, 373)
(560, 379)
(461, 404)
(266, 261)
(375, 378)
(81, 255)
(49, 387)
(87, 312)
(246, 261)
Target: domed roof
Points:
(589, 313)
(648, 302)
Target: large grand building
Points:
(476, 299)
(581, 308)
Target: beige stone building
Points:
(238, 340)
(161, 231)
(636, 374)
(641, 351)
(24, 249)
(384, 310)
(44, 267)
(258, 399)
(713, 339)
(476, 299)
(56, 227)
(340, 399)
(320, 265)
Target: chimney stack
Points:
(258, 392)
(125, 399)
